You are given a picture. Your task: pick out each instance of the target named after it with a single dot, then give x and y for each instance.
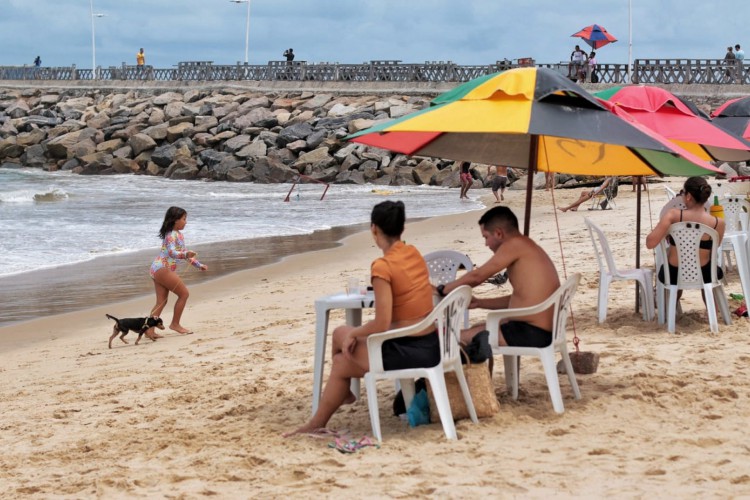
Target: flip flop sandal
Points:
(351, 445)
(324, 433)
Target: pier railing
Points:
(649, 71)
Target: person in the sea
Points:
(163, 269)
(695, 193)
(466, 178)
(531, 273)
(587, 195)
(403, 297)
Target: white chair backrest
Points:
(448, 315)
(602, 250)
(676, 202)
(687, 237)
(670, 193)
(562, 299)
(736, 209)
(444, 264)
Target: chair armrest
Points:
(492, 322)
(375, 341)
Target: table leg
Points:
(321, 332)
(354, 318)
(743, 267)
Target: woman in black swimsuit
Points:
(695, 194)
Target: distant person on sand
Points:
(164, 266)
(466, 179)
(499, 183)
(586, 195)
(289, 54)
(38, 61)
(403, 297)
(140, 62)
(549, 181)
(640, 180)
(531, 273)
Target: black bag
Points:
(594, 77)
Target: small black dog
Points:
(140, 325)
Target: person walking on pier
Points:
(140, 62)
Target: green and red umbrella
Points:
(734, 116)
(596, 36)
(673, 118)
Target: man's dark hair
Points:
(501, 217)
(389, 216)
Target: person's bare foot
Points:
(180, 329)
(307, 428)
(562, 209)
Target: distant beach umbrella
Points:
(596, 36)
(734, 116)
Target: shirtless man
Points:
(530, 271)
(500, 182)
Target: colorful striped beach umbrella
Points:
(596, 36)
(532, 118)
(673, 118)
(734, 116)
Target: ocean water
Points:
(60, 228)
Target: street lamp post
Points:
(247, 24)
(93, 40)
(630, 41)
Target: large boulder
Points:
(255, 149)
(61, 147)
(271, 170)
(424, 172)
(296, 132)
(239, 174)
(262, 117)
(95, 163)
(177, 131)
(141, 142)
(35, 136)
(164, 155)
(236, 143)
(166, 98)
(182, 168)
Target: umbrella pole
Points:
(533, 158)
(637, 240)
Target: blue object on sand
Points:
(419, 410)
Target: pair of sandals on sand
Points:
(342, 441)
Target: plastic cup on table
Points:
(352, 286)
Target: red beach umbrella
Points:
(669, 116)
(734, 116)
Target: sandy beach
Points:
(202, 415)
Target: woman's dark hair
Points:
(389, 216)
(173, 215)
(698, 188)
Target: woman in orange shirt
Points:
(403, 297)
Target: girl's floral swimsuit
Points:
(172, 250)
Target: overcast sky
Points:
(352, 31)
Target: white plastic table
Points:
(353, 304)
(738, 240)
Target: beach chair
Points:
(687, 237)
(443, 266)
(608, 273)
(446, 317)
(605, 200)
(670, 193)
(736, 210)
(560, 302)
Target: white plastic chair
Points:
(560, 302)
(608, 273)
(443, 266)
(670, 193)
(446, 317)
(687, 237)
(736, 210)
